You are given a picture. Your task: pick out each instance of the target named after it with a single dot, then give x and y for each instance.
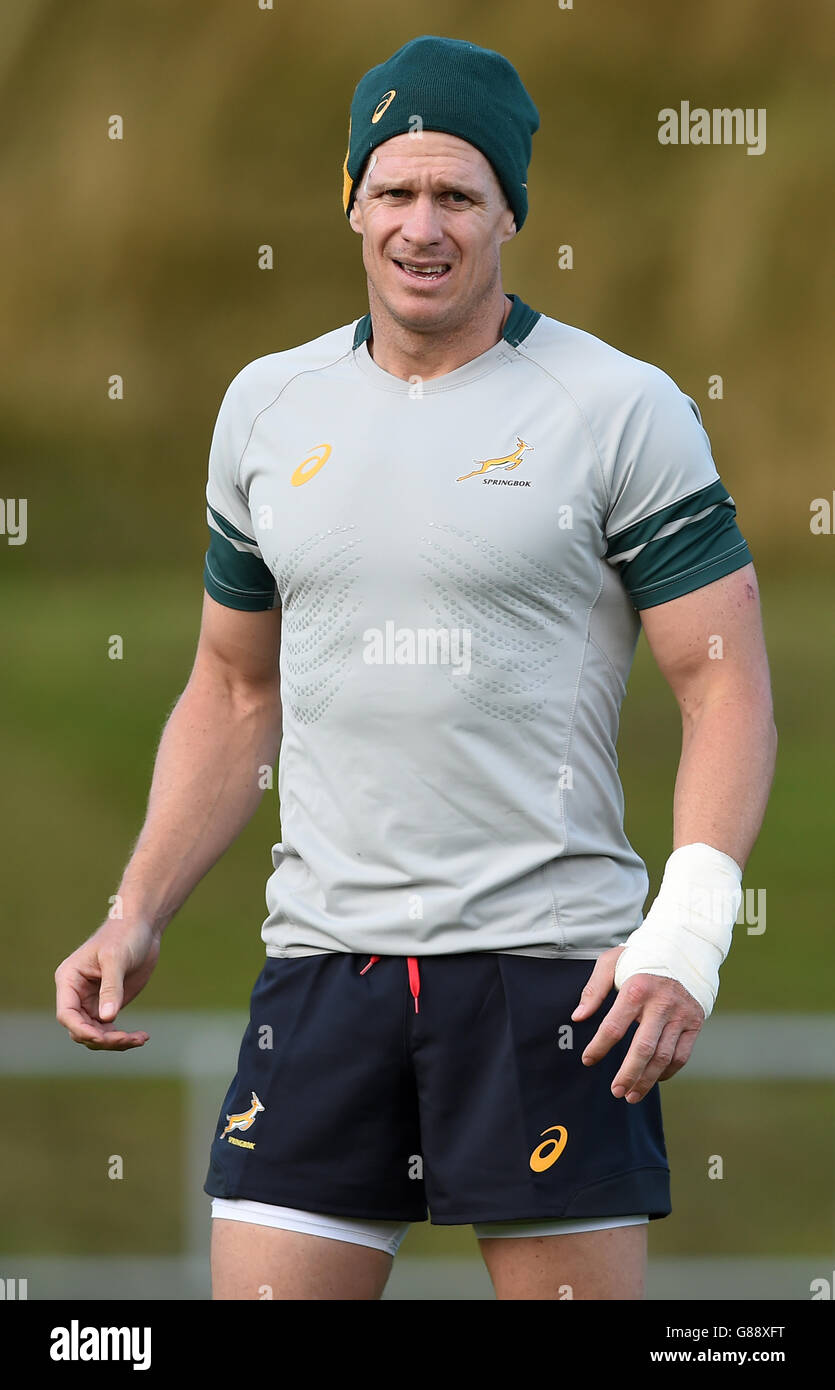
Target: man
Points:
(446, 523)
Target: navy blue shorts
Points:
(350, 1101)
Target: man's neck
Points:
(406, 354)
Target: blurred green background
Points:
(139, 257)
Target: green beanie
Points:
(455, 87)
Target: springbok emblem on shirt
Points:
(507, 462)
(245, 1119)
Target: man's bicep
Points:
(240, 645)
(710, 641)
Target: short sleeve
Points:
(235, 573)
(671, 525)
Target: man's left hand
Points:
(670, 1021)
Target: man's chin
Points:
(421, 312)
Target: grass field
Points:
(78, 738)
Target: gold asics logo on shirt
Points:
(507, 462)
(309, 467)
(540, 1160)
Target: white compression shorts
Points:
(387, 1235)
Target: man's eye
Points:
(453, 193)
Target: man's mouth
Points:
(426, 272)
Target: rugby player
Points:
(435, 535)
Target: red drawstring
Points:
(414, 976)
(414, 979)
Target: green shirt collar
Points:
(520, 321)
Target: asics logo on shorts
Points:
(544, 1155)
(245, 1119)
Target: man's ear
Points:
(507, 224)
(354, 218)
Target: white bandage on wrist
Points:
(687, 932)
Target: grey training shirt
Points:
(460, 563)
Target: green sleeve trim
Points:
(688, 559)
(642, 531)
(736, 559)
(237, 579)
(229, 530)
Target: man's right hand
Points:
(106, 972)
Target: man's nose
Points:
(422, 222)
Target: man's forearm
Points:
(724, 775)
(205, 789)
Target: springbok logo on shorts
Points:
(246, 1118)
(540, 1160)
(507, 461)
